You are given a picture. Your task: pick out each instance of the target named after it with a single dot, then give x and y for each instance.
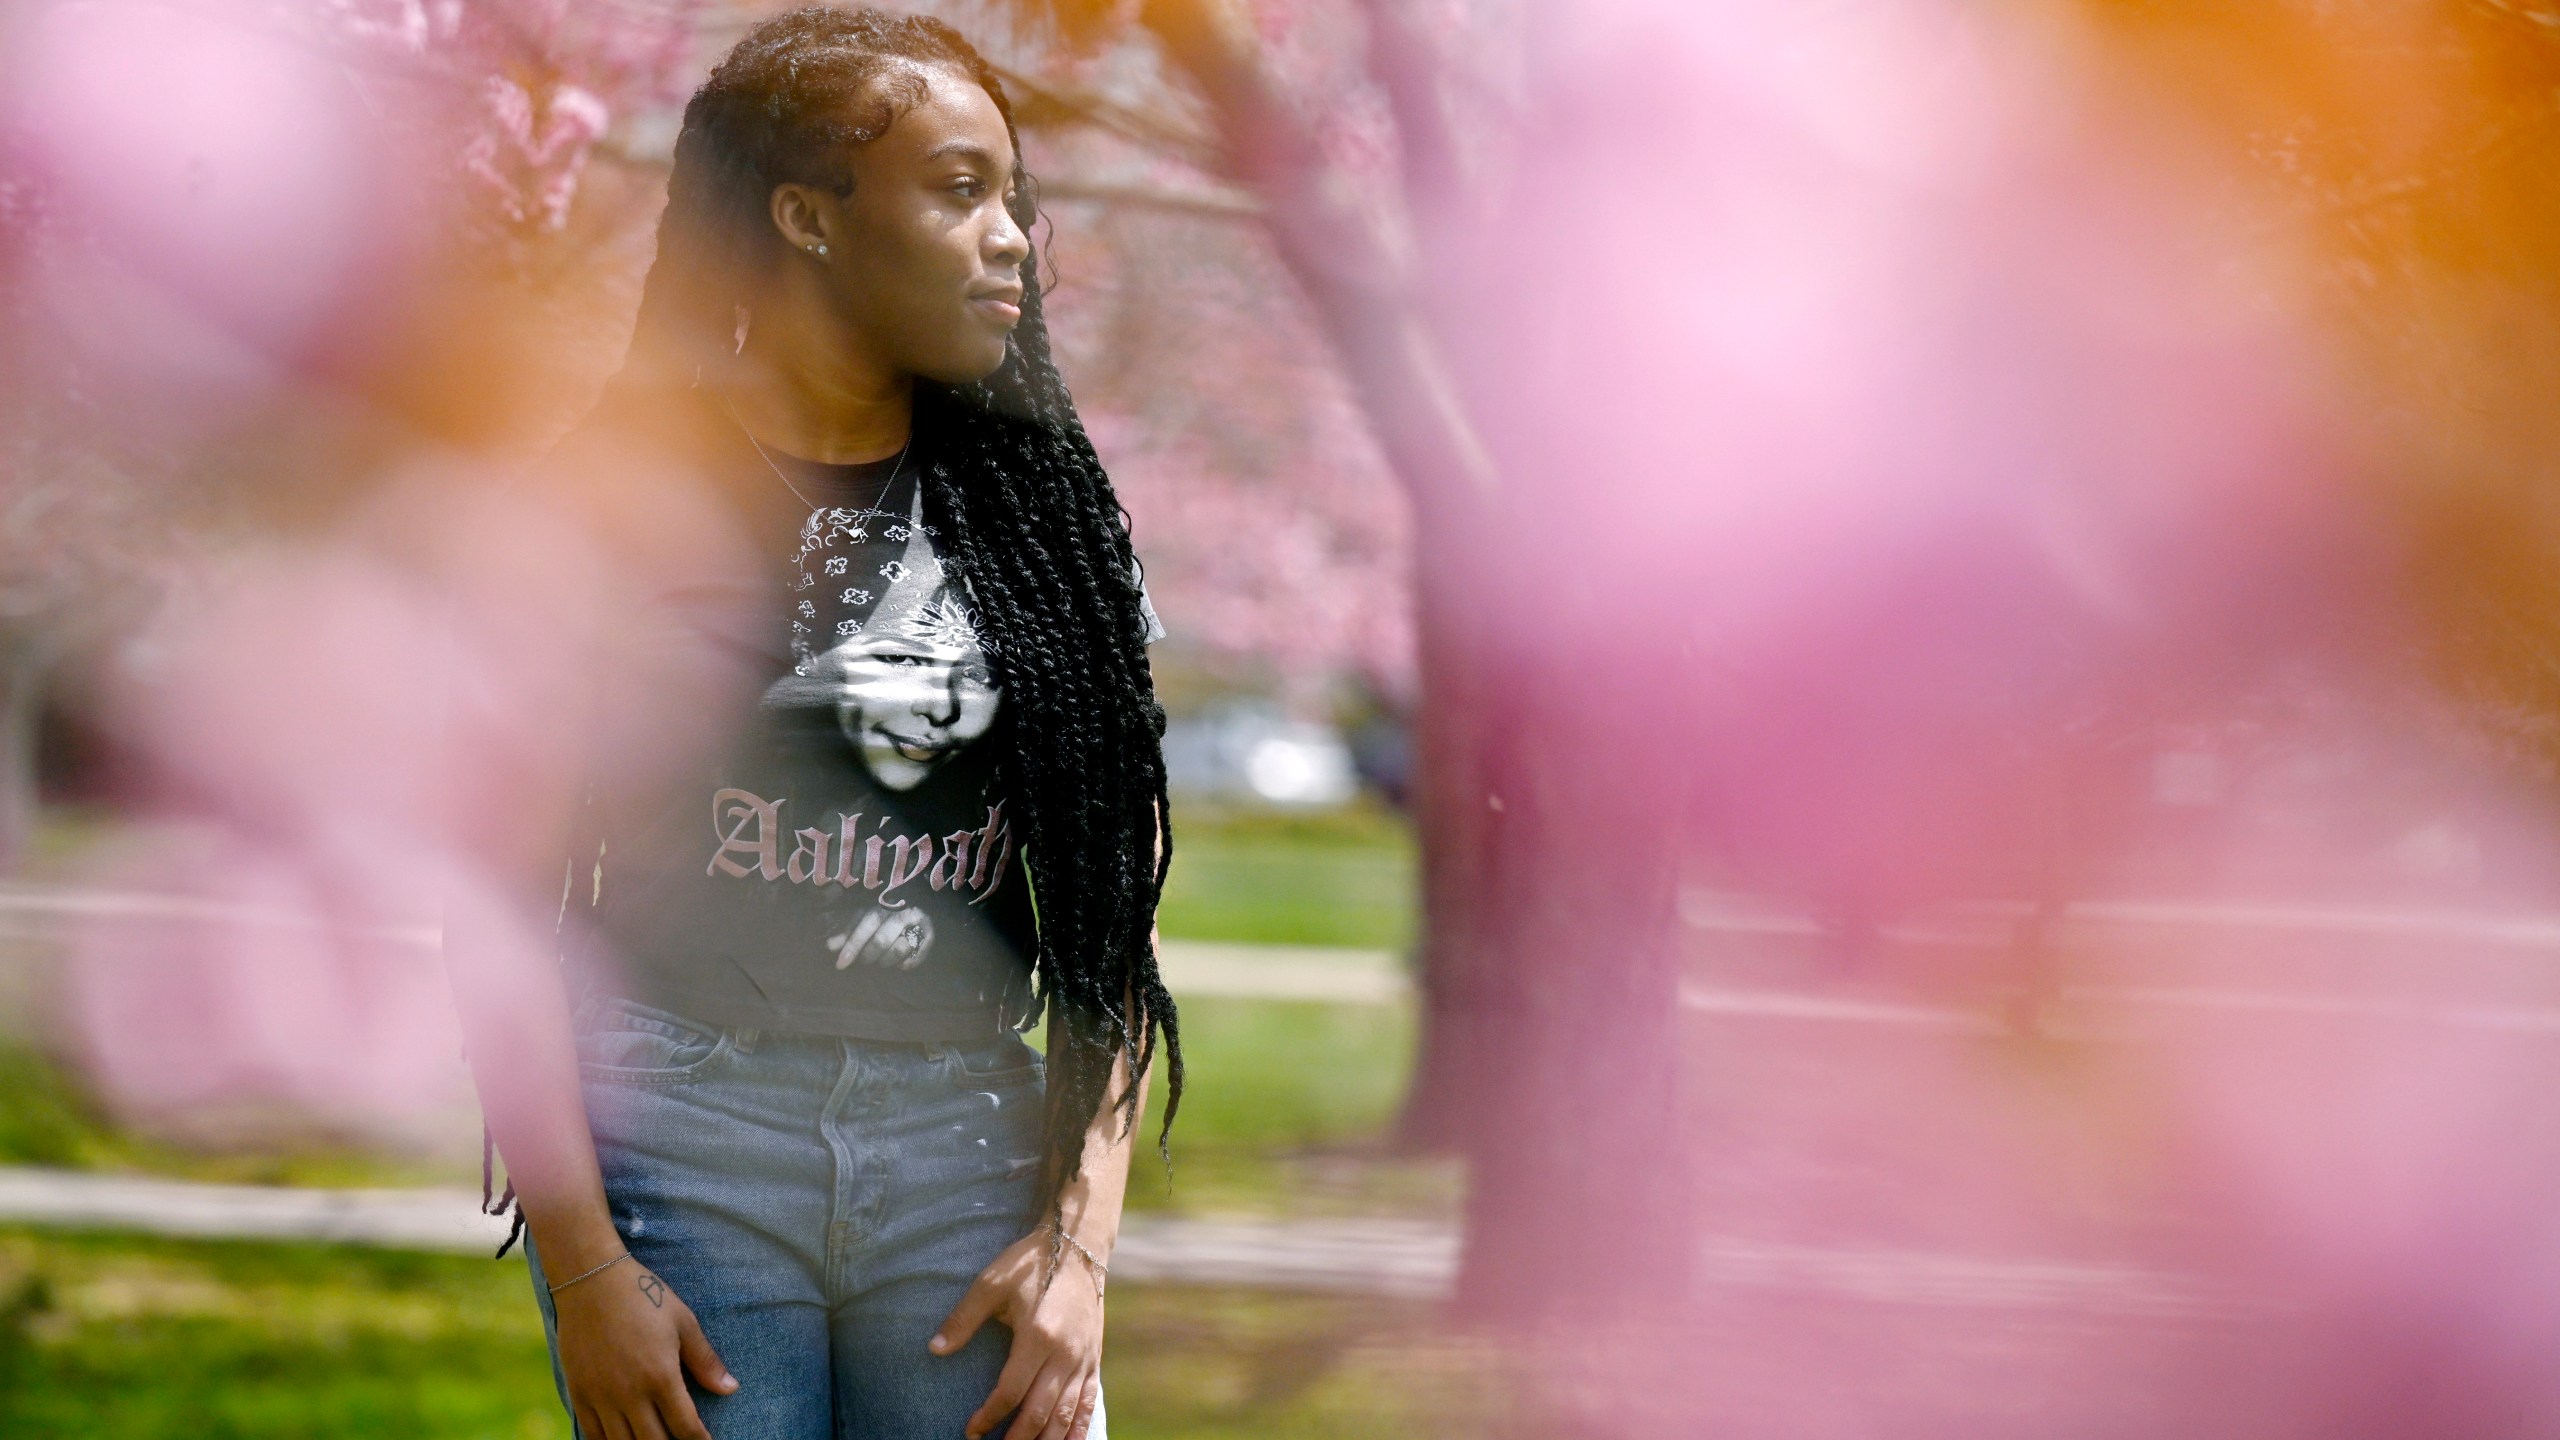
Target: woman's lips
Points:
(921, 752)
(1000, 308)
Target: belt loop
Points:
(745, 1039)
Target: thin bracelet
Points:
(1101, 1272)
(583, 1274)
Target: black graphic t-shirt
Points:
(852, 866)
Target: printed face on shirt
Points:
(909, 701)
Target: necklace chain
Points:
(800, 647)
(767, 457)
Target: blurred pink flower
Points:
(528, 164)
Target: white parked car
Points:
(1250, 751)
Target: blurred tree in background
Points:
(83, 545)
(187, 364)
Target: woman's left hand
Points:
(1052, 1380)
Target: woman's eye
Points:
(972, 189)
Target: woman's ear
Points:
(802, 218)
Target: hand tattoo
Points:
(655, 1289)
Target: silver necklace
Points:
(802, 652)
(767, 457)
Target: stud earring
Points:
(819, 250)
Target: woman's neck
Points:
(806, 387)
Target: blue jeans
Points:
(821, 1203)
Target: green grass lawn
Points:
(1335, 877)
(47, 1117)
(117, 1338)
(1287, 1111)
(1288, 1104)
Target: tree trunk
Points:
(1455, 1048)
(1579, 1191)
(23, 669)
(1549, 1050)
(1354, 288)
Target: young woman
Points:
(862, 657)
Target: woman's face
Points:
(923, 260)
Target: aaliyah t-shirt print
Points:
(847, 863)
(904, 692)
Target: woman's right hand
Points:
(626, 1344)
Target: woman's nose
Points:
(945, 708)
(1007, 246)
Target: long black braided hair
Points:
(1030, 522)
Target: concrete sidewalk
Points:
(1207, 967)
(1328, 975)
(1399, 1259)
